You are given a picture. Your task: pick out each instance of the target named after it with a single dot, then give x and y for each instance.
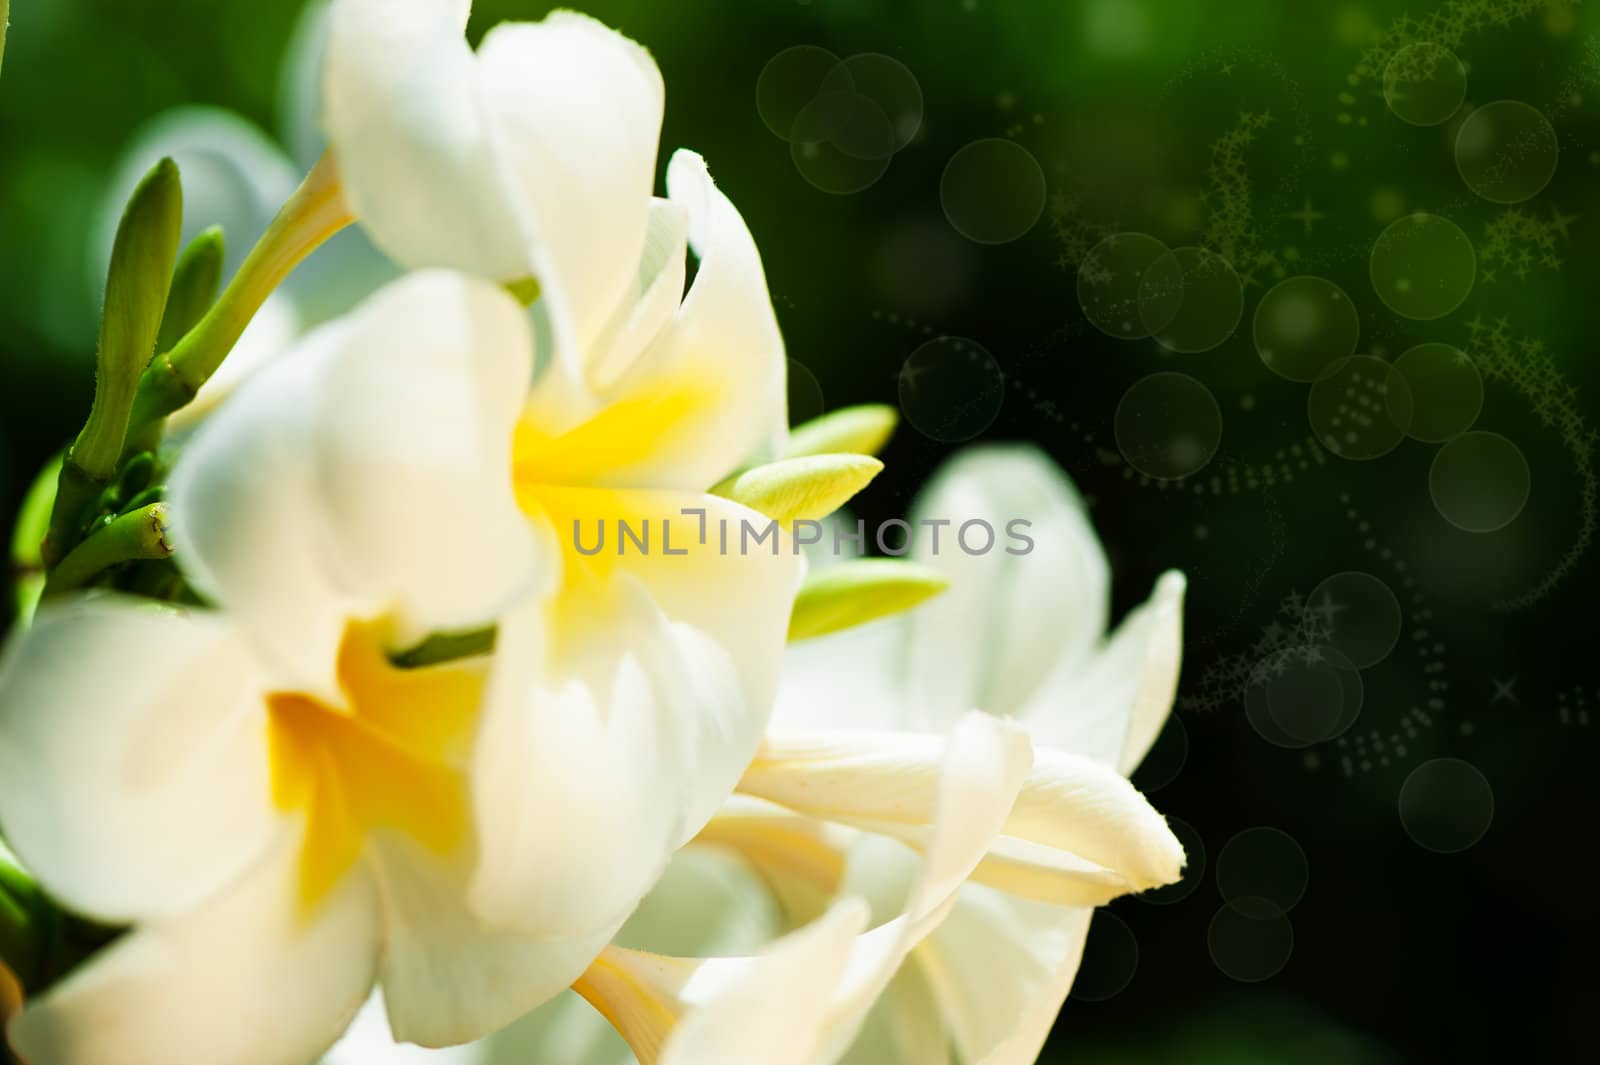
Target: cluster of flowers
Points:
(394, 752)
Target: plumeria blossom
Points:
(853, 738)
(284, 815)
(969, 948)
(1021, 636)
(535, 158)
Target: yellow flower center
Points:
(388, 757)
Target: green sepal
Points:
(847, 594)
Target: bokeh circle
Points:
(951, 389)
(1302, 695)
(1190, 300)
(992, 191)
(1446, 805)
(1507, 151)
(789, 81)
(1446, 391)
(1423, 266)
(1424, 83)
(1479, 482)
(805, 394)
(1359, 616)
(887, 82)
(841, 142)
(1312, 694)
(1108, 283)
(1165, 759)
(1303, 325)
(1168, 425)
(1266, 863)
(1110, 958)
(1250, 940)
(1361, 408)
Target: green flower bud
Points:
(801, 489)
(194, 286)
(848, 594)
(864, 430)
(142, 260)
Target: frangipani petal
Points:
(250, 978)
(1072, 814)
(1000, 969)
(133, 760)
(705, 396)
(1112, 705)
(378, 477)
(825, 978)
(448, 977)
(575, 111)
(369, 1041)
(650, 699)
(772, 1013)
(1037, 612)
(418, 149)
(707, 904)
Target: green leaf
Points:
(847, 594)
(863, 430)
(801, 489)
(194, 286)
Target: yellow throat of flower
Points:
(388, 758)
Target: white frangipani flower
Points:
(1022, 636)
(535, 158)
(284, 816)
(975, 967)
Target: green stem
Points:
(138, 534)
(314, 213)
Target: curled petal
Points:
(818, 984)
(1074, 818)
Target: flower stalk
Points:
(137, 535)
(314, 213)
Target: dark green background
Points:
(1399, 954)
